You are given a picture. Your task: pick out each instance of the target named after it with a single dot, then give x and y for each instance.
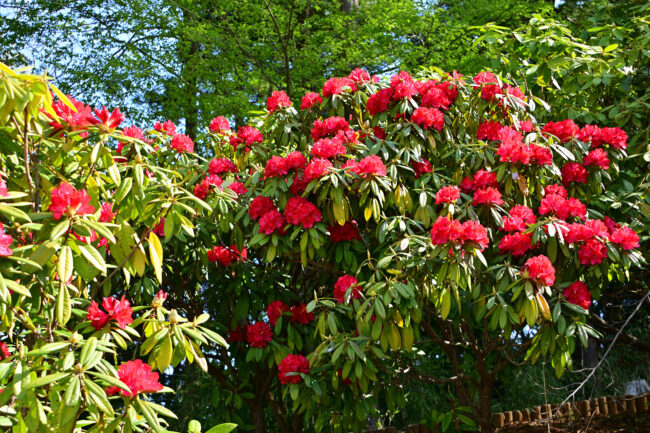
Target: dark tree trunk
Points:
(257, 415)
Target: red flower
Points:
(421, 168)
(272, 221)
(120, 311)
(598, 228)
(292, 364)
(275, 167)
(526, 126)
(67, 200)
(326, 148)
(592, 252)
(329, 126)
(295, 161)
(246, 135)
(219, 125)
(597, 157)
(577, 233)
(445, 230)
(341, 288)
(132, 132)
(300, 315)
(206, 186)
(539, 269)
(75, 120)
(379, 132)
(160, 228)
(575, 208)
(489, 130)
(615, 137)
(564, 130)
(238, 188)
(299, 211)
(489, 91)
(625, 237)
(258, 334)
(437, 95)
(182, 143)
(275, 310)
(237, 334)
(573, 172)
(484, 179)
(4, 351)
(107, 215)
(487, 196)
(554, 204)
(518, 220)
(517, 244)
(317, 168)
(590, 134)
(260, 206)
(5, 241)
(109, 120)
(611, 224)
(298, 186)
(138, 377)
(371, 165)
(309, 100)
(361, 76)
(485, 77)
(221, 165)
(540, 155)
(167, 127)
(159, 299)
(225, 256)
(379, 102)
(4, 192)
(578, 293)
(403, 86)
(428, 117)
(345, 232)
(277, 99)
(448, 194)
(555, 189)
(474, 232)
(335, 86)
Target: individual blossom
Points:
(518, 219)
(592, 252)
(371, 165)
(4, 351)
(275, 310)
(275, 167)
(578, 293)
(575, 208)
(75, 120)
(277, 99)
(221, 165)
(379, 102)
(300, 211)
(555, 189)
(167, 127)
(295, 161)
(445, 230)
(160, 228)
(106, 215)
(336, 86)
(625, 237)
(4, 192)
(428, 117)
(421, 168)
(225, 256)
(259, 334)
(246, 135)
(260, 206)
(292, 364)
(5, 242)
(272, 221)
(345, 232)
(309, 100)
(109, 120)
(489, 130)
(598, 158)
(328, 127)
(484, 179)
(138, 377)
(132, 132)
(67, 200)
(590, 134)
(328, 148)
(516, 244)
(487, 196)
(182, 143)
(403, 86)
(114, 309)
(219, 125)
(343, 284)
(615, 137)
(300, 315)
(474, 233)
(574, 172)
(539, 269)
(317, 168)
(448, 194)
(564, 130)
(159, 299)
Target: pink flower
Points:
(428, 117)
(107, 215)
(372, 165)
(448, 194)
(539, 269)
(475, 233)
(615, 137)
(138, 377)
(489, 130)
(343, 284)
(277, 99)
(578, 293)
(626, 238)
(445, 230)
(309, 100)
(300, 315)
(520, 217)
(592, 252)
(328, 127)
(219, 125)
(5, 241)
(326, 148)
(272, 221)
(4, 192)
(167, 127)
(67, 200)
(317, 168)
(335, 86)
(182, 143)
(295, 161)
(109, 120)
(300, 211)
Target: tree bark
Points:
(257, 415)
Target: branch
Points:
(603, 325)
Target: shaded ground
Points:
(620, 423)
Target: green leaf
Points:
(222, 428)
(59, 229)
(49, 348)
(156, 255)
(14, 212)
(65, 264)
(45, 380)
(113, 381)
(88, 350)
(93, 256)
(63, 305)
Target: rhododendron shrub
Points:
(333, 241)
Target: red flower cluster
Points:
(246, 135)
(317, 168)
(564, 130)
(345, 232)
(592, 252)
(328, 127)
(518, 219)
(512, 149)
(489, 85)
(67, 200)
(573, 172)
(300, 315)
(540, 269)
(615, 137)
(167, 127)
(132, 132)
(275, 167)
(328, 148)
(335, 86)
(292, 364)
(598, 158)
(225, 256)
(275, 310)
(436, 94)
(138, 377)
(120, 311)
(75, 120)
(260, 206)
(237, 334)
(487, 196)
(222, 165)
(561, 207)
(446, 230)
(482, 179)
(489, 130)
(277, 99)
(370, 165)
(309, 100)
(578, 293)
(106, 215)
(379, 102)
(447, 194)
(517, 243)
(219, 125)
(5, 241)
(428, 117)
(625, 237)
(182, 143)
(207, 185)
(300, 211)
(258, 334)
(272, 221)
(109, 120)
(421, 168)
(4, 351)
(343, 284)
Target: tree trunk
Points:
(485, 407)
(257, 415)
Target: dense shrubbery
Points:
(327, 242)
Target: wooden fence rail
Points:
(604, 406)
